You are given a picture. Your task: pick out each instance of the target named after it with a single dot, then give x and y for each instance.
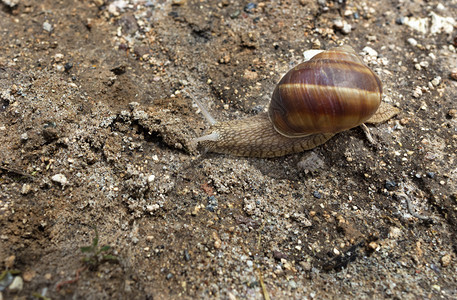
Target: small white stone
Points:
(26, 188)
(440, 7)
(58, 57)
(338, 23)
(412, 42)
(17, 284)
(417, 92)
(440, 24)
(419, 24)
(346, 28)
(370, 51)
(153, 207)
(151, 178)
(24, 136)
(60, 178)
(155, 158)
(60, 68)
(47, 26)
(436, 81)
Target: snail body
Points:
(332, 92)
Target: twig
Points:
(266, 296)
(59, 285)
(366, 130)
(17, 172)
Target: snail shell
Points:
(332, 92)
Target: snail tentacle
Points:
(211, 120)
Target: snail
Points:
(332, 92)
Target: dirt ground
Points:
(96, 121)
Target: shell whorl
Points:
(332, 92)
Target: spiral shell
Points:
(332, 92)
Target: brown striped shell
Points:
(332, 92)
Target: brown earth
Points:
(97, 93)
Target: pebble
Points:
(441, 24)
(24, 137)
(58, 57)
(212, 204)
(60, 68)
(446, 260)
(60, 178)
(250, 7)
(342, 26)
(417, 92)
(26, 188)
(11, 3)
(400, 20)
(17, 284)
(152, 208)
(47, 26)
(151, 178)
(412, 42)
(419, 24)
(436, 81)
(186, 255)
(453, 74)
(390, 185)
(430, 175)
(452, 113)
(338, 24)
(424, 64)
(292, 284)
(9, 261)
(373, 246)
(29, 275)
(317, 195)
(370, 51)
(68, 67)
(346, 28)
(394, 232)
